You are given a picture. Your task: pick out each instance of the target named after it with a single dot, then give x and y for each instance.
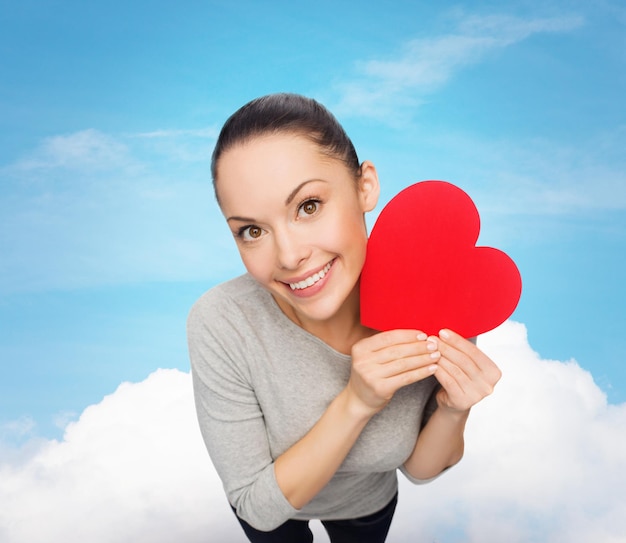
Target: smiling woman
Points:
(306, 413)
(304, 240)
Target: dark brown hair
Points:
(286, 113)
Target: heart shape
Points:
(423, 270)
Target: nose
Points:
(291, 250)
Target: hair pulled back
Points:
(286, 113)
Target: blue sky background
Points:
(109, 111)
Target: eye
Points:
(250, 233)
(309, 207)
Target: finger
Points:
(408, 364)
(390, 338)
(448, 382)
(403, 344)
(458, 342)
(474, 385)
(462, 392)
(455, 375)
(476, 357)
(405, 350)
(486, 365)
(398, 381)
(461, 366)
(468, 347)
(465, 365)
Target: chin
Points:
(323, 309)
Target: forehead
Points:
(264, 149)
(272, 164)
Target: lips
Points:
(312, 279)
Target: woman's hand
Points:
(467, 375)
(384, 363)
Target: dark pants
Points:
(370, 529)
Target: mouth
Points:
(312, 279)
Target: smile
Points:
(310, 281)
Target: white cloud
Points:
(84, 150)
(132, 468)
(90, 209)
(381, 88)
(538, 176)
(19, 428)
(209, 132)
(526, 189)
(191, 145)
(545, 461)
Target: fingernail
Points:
(435, 355)
(433, 368)
(431, 345)
(422, 336)
(444, 334)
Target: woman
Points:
(305, 412)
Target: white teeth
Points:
(309, 281)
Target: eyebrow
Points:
(295, 191)
(241, 219)
(289, 199)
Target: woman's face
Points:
(297, 218)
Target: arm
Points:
(381, 365)
(466, 376)
(305, 468)
(230, 418)
(233, 428)
(265, 492)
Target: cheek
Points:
(256, 264)
(358, 243)
(349, 232)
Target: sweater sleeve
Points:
(232, 425)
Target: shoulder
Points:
(220, 325)
(235, 312)
(236, 295)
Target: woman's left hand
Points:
(467, 375)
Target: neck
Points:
(343, 329)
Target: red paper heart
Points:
(423, 269)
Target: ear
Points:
(369, 187)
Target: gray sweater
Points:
(261, 382)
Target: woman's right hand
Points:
(384, 363)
